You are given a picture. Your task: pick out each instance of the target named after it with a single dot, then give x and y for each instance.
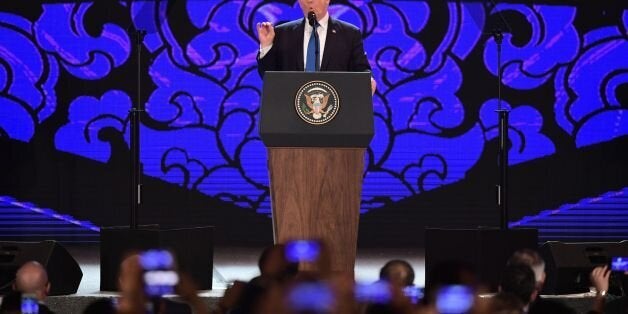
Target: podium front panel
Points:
(352, 125)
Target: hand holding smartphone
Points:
(160, 277)
(302, 251)
(454, 299)
(414, 293)
(619, 263)
(311, 297)
(29, 304)
(378, 293)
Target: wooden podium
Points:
(316, 162)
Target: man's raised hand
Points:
(265, 33)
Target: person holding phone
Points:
(600, 279)
(275, 269)
(533, 259)
(17, 303)
(274, 265)
(31, 280)
(145, 278)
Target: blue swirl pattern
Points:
(524, 128)
(27, 80)
(554, 41)
(60, 31)
(586, 100)
(88, 117)
(434, 120)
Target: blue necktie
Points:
(311, 64)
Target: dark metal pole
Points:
(502, 151)
(502, 196)
(135, 120)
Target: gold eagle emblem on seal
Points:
(317, 102)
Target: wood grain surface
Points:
(315, 194)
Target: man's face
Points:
(318, 6)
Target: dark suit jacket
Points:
(344, 49)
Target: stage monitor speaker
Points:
(485, 250)
(568, 265)
(193, 248)
(64, 273)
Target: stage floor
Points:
(238, 263)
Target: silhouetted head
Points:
(518, 279)
(397, 272)
(32, 278)
(534, 260)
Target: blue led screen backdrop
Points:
(68, 81)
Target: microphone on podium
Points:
(311, 18)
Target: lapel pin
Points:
(333, 31)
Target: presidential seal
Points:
(317, 102)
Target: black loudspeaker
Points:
(193, 248)
(484, 250)
(64, 273)
(568, 265)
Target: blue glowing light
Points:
(379, 292)
(314, 297)
(454, 299)
(47, 212)
(156, 259)
(604, 217)
(302, 251)
(201, 121)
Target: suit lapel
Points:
(299, 31)
(330, 42)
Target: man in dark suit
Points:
(290, 46)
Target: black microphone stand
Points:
(196, 256)
(502, 115)
(502, 118)
(135, 122)
(502, 150)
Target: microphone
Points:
(311, 17)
